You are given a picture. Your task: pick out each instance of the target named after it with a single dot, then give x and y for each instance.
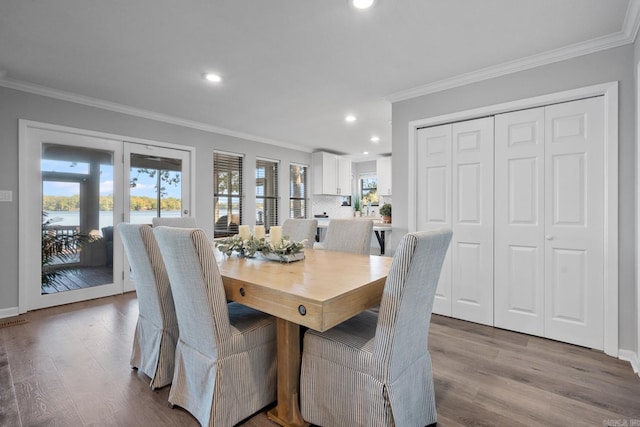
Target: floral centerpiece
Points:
(283, 250)
(244, 247)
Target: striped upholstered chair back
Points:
(400, 354)
(181, 222)
(349, 235)
(301, 229)
(226, 356)
(375, 369)
(157, 328)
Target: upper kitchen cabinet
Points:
(331, 174)
(383, 170)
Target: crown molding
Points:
(138, 112)
(632, 20)
(626, 36)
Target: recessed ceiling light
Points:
(375, 139)
(362, 4)
(212, 77)
(350, 118)
(365, 152)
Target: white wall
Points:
(16, 105)
(601, 67)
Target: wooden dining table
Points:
(319, 292)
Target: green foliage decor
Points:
(385, 210)
(356, 203)
(249, 247)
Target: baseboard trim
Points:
(8, 312)
(631, 357)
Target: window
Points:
(227, 196)
(298, 191)
(369, 189)
(266, 193)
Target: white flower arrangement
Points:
(285, 250)
(244, 248)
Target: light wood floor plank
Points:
(70, 367)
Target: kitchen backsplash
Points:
(331, 205)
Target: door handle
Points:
(549, 237)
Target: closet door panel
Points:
(434, 198)
(472, 220)
(519, 221)
(574, 218)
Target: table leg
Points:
(287, 411)
(380, 237)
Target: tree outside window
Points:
(369, 190)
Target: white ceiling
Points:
(292, 69)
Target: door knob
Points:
(549, 237)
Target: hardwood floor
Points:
(70, 367)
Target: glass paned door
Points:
(72, 225)
(157, 185)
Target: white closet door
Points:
(434, 198)
(574, 216)
(519, 221)
(472, 220)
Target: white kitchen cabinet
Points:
(383, 171)
(331, 174)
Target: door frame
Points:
(635, 359)
(610, 93)
(31, 218)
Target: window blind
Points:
(227, 193)
(298, 191)
(266, 193)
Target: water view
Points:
(106, 217)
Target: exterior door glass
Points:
(77, 218)
(155, 188)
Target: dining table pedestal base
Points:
(287, 411)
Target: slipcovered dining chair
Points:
(156, 333)
(375, 369)
(181, 222)
(348, 235)
(301, 229)
(226, 354)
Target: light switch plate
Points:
(6, 195)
